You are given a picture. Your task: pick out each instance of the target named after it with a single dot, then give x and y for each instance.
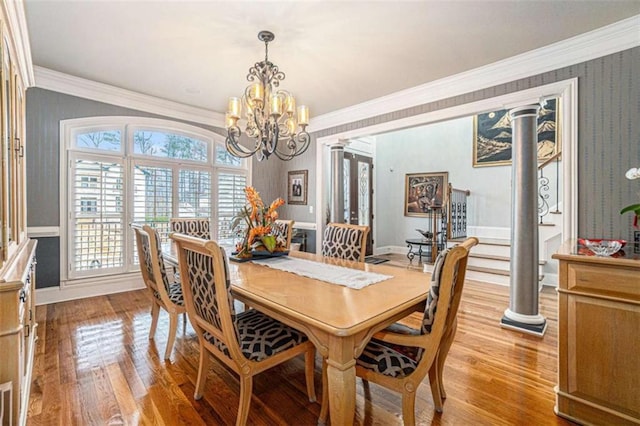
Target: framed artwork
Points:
(492, 136)
(297, 187)
(425, 191)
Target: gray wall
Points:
(45, 109)
(608, 136)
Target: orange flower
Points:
(257, 231)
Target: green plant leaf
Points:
(269, 242)
(632, 208)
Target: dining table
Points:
(338, 320)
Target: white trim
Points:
(98, 286)
(525, 319)
(87, 89)
(566, 90)
(305, 225)
(613, 38)
(43, 231)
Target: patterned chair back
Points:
(206, 286)
(345, 241)
(284, 229)
(454, 276)
(194, 226)
(150, 257)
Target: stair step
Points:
(488, 270)
(494, 241)
(490, 256)
(541, 262)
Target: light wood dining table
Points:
(337, 319)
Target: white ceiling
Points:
(335, 54)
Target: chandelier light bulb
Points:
(270, 119)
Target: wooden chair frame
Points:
(363, 242)
(435, 344)
(244, 367)
(155, 284)
(289, 224)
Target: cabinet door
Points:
(5, 151)
(18, 208)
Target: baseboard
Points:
(550, 280)
(87, 288)
(390, 249)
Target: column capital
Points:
(337, 143)
(524, 111)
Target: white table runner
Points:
(333, 274)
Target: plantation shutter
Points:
(96, 216)
(231, 199)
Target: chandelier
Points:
(269, 113)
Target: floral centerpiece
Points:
(255, 224)
(633, 173)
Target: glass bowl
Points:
(603, 247)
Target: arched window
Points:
(123, 170)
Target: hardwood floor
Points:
(96, 366)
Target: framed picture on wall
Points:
(424, 192)
(297, 187)
(492, 136)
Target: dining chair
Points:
(283, 229)
(249, 342)
(195, 226)
(345, 241)
(399, 357)
(165, 294)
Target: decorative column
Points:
(522, 313)
(337, 180)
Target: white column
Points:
(522, 313)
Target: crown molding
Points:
(613, 38)
(16, 22)
(83, 88)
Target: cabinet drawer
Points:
(606, 281)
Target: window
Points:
(95, 218)
(231, 199)
(109, 140)
(145, 171)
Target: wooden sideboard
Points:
(17, 263)
(598, 337)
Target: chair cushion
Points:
(260, 336)
(385, 360)
(409, 351)
(175, 294)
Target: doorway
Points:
(358, 193)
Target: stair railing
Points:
(543, 187)
(457, 211)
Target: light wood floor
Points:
(96, 366)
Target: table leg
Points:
(341, 372)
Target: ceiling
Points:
(335, 54)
